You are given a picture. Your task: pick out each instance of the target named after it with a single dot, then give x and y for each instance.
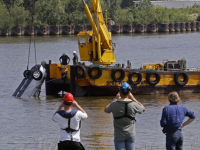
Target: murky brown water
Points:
(26, 124)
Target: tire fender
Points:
(98, 74)
(186, 78)
(114, 71)
(148, 78)
(77, 73)
(138, 80)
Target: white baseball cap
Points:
(74, 52)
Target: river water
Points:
(26, 124)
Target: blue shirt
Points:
(173, 116)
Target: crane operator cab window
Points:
(89, 39)
(82, 42)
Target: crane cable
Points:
(33, 13)
(29, 53)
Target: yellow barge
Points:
(101, 78)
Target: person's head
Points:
(68, 99)
(63, 54)
(125, 88)
(74, 52)
(173, 97)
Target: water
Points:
(26, 124)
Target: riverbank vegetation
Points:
(70, 12)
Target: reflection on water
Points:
(26, 124)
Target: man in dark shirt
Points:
(75, 58)
(172, 122)
(64, 60)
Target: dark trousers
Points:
(174, 141)
(70, 145)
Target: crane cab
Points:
(85, 45)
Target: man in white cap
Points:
(75, 58)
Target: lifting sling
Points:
(69, 129)
(125, 114)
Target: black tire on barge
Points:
(98, 75)
(113, 73)
(178, 82)
(139, 78)
(154, 82)
(79, 71)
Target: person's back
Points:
(75, 116)
(172, 122)
(69, 121)
(174, 117)
(124, 108)
(124, 126)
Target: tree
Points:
(5, 21)
(18, 14)
(126, 3)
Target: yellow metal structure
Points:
(96, 45)
(154, 66)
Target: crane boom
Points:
(97, 44)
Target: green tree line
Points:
(16, 13)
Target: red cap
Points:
(68, 98)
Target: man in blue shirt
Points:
(172, 122)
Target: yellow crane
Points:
(96, 45)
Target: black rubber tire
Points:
(76, 73)
(148, 78)
(114, 71)
(98, 74)
(186, 78)
(37, 75)
(138, 80)
(27, 73)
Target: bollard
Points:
(182, 26)
(188, 26)
(116, 29)
(133, 28)
(152, 28)
(172, 27)
(43, 30)
(177, 27)
(77, 29)
(16, 31)
(127, 28)
(140, 28)
(60, 29)
(68, 30)
(54, 30)
(193, 26)
(29, 30)
(163, 27)
(198, 25)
